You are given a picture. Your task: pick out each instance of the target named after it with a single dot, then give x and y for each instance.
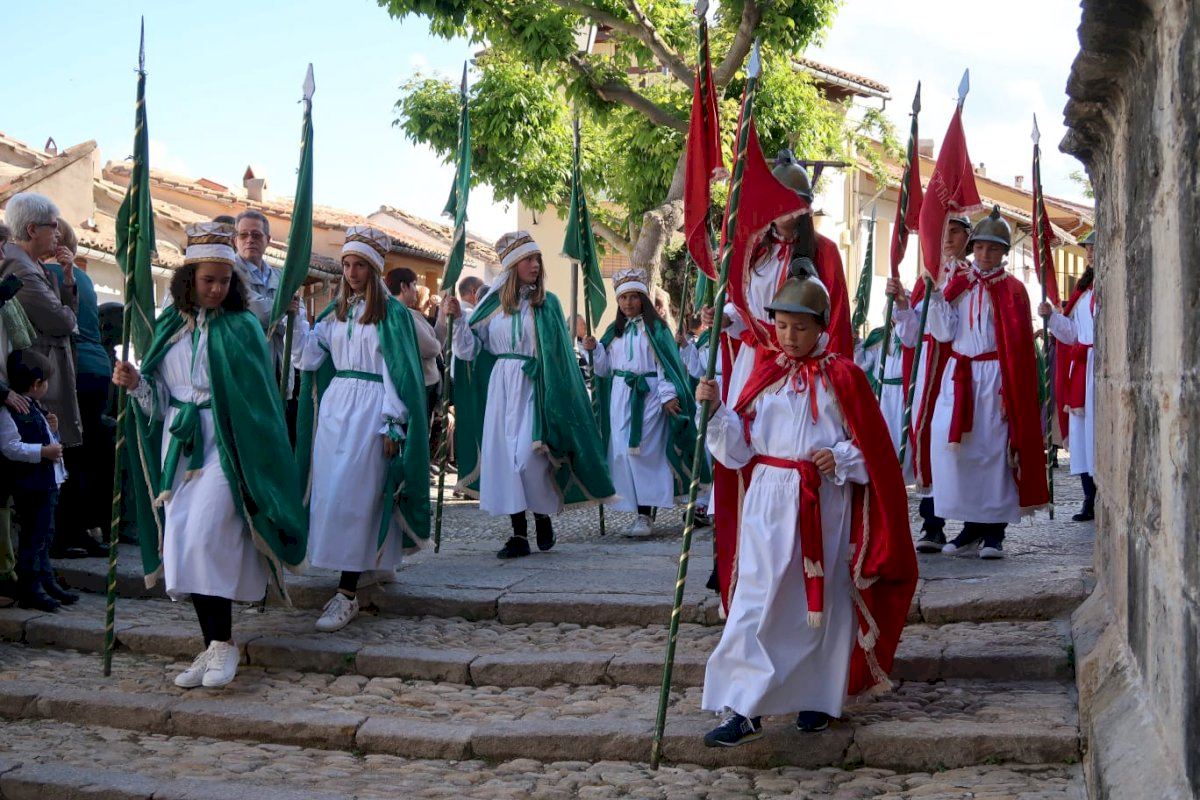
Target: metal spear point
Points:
(964, 86)
(142, 48)
(754, 68)
(310, 85)
(1037, 135)
(916, 106)
(701, 8)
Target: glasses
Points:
(45, 224)
(255, 236)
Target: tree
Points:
(633, 103)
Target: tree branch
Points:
(618, 92)
(643, 30)
(613, 237)
(743, 40)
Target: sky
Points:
(224, 80)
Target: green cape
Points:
(681, 429)
(563, 425)
(251, 438)
(407, 482)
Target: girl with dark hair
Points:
(646, 406)
(218, 507)
(362, 432)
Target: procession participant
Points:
(825, 572)
(363, 439)
(217, 494)
(693, 352)
(906, 313)
(402, 284)
(535, 447)
(989, 468)
(1075, 330)
(647, 411)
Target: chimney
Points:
(981, 170)
(925, 147)
(1019, 181)
(253, 185)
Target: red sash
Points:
(809, 527)
(963, 419)
(1077, 376)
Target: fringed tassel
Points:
(816, 618)
(635, 451)
(162, 498)
(867, 639)
(813, 569)
(193, 473)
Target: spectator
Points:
(30, 443)
(402, 283)
(84, 507)
(470, 292)
(226, 219)
(15, 334)
(49, 303)
(262, 283)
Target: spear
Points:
(1043, 260)
(753, 70)
(964, 87)
(135, 246)
(909, 201)
(456, 206)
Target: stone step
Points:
(45, 758)
(920, 726)
(579, 589)
(522, 654)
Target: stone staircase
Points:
(470, 677)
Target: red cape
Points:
(1018, 381)
(1064, 354)
(884, 565)
(935, 354)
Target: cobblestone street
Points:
(468, 677)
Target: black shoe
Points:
(31, 595)
(735, 730)
(51, 587)
(714, 582)
(812, 721)
(94, 549)
(68, 552)
(515, 547)
(931, 542)
(1086, 514)
(545, 532)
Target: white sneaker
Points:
(991, 553)
(640, 527)
(193, 676)
(951, 549)
(222, 664)
(337, 613)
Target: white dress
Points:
(1080, 328)
(972, 480)
(513, 476)
(346, 500)
(769, 660)
(641, 477)
(206, 547)
(695, 361)
(891, 394)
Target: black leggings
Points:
(349, 582)
(216, 617)
(520, 525)
(644, 510)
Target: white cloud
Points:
(418, 62)
(162, 158)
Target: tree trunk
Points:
(658, 225)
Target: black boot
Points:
(545, 531)
(517, 544)
(933, 528)
(31, 595)
(1088, 511)
(52, 587)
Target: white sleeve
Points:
(1063, 328)
(601, 366)
(313, 345)
(690, 357)
(907, 323)
(736, 327)
(848, 464)
(726, 439)
(394, 412)
(10, 441)
(467, 342)
(943, 319)
(153, 398)
(666, 389)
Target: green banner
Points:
(456, 205)
(299, 250)
(580, 242)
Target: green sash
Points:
(251, 439)
(563, 425)
(681, 429)
(406, 486)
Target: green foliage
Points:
(532, 79)
(1083, 182)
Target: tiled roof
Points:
(48, 166)
(860, 84)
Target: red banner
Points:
(950, 189)
(703, 162)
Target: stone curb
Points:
(336, 654)
(891, 744)
(937, 601)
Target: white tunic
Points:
(769, 661)
(891, 395)
(695, 361)
(206, 548)
(1080, 328)
(348, 464)
(513, 477)
(765, 279)
(642, 477)
(972, 481)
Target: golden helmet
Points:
(791, 174)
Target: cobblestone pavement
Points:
(381, 777)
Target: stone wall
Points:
(1133, 119)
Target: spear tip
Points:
(701, 8)
(142, 47)
(964, 86)
(310, 85)
(755, 67)
(1037, 135)
(462, 88)
(916, 106)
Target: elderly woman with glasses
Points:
(50, 304)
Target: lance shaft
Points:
(442, 417)
(689, 523)
(912, 377)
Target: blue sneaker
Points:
(734, 730)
